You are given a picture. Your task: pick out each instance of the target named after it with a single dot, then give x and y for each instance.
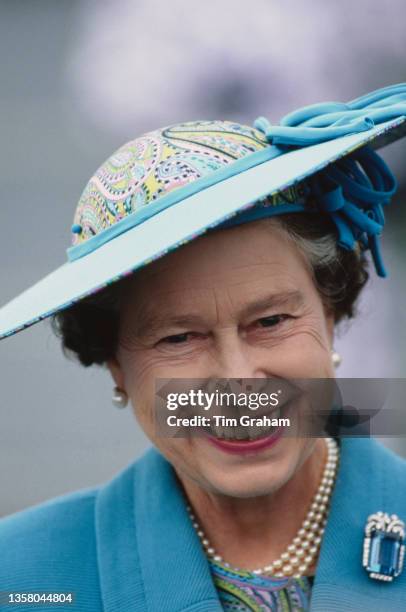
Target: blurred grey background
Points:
(80, 78)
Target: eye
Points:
(185, 341)
(176, 338)
(273, 320)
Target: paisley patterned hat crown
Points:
(168, 186)
(138, 178)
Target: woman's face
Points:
(237, 303)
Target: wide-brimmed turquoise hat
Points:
(167, 187)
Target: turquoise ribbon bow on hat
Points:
(353, 190)
(321, 122)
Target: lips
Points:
(246, 446)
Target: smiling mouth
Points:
(256, 430)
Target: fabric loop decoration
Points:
(353, 192)
(302, 136)
(322, 122)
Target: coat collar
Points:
(150, 557)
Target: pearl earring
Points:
(336, 358)
(119, 398)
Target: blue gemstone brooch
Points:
(384, 547)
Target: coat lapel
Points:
(175, 570)
(150, 557)
(368, 480)
(121, 583)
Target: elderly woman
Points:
(211, 250)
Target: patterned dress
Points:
(243, 591)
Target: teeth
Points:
(222, 431)
(240, 432)
(244, 433)
(251, 432)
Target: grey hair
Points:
(322, 254)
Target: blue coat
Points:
(129, 544)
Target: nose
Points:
(235, 358)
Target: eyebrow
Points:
(292, 299)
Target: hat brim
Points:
(178, 225)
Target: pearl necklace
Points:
(299, 555)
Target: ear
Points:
(116, 372)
